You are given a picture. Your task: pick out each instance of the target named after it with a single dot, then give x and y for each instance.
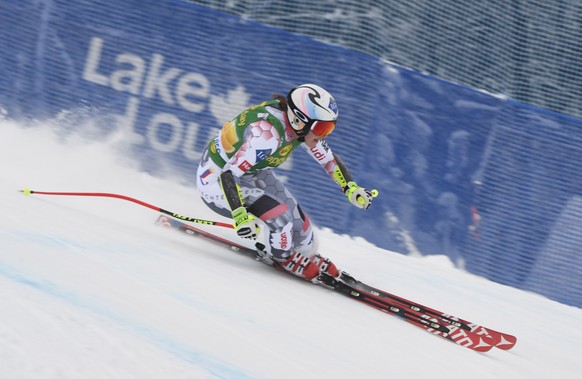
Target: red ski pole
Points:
(127, 198)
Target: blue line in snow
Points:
(213, 365)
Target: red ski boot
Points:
(310, 268)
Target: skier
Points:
(235, 177)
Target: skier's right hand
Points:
(245, 224)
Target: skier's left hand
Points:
(360, 196)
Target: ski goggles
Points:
(322, 128)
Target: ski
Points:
(457, 330)
(500, 340)
(170, 222)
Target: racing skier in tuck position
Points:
(235, 177)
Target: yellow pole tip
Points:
(26, 191)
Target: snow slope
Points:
(91, 288)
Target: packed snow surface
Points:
(91, 288)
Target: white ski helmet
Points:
(315, 107)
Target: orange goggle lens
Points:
(323, 128)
